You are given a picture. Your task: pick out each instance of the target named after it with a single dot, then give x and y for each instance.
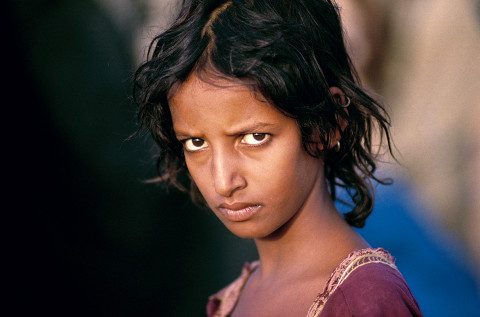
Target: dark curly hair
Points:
(291, 52)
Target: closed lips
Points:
(239, 211)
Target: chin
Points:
(245, 231)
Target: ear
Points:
(338, 95)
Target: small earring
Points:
(337, 146)
(346, 104)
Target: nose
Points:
(227, 176)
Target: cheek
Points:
(289, 174)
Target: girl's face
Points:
(245, 157)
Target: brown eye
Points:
(192, 145)
(259, 136)
(197, 142)
(255, 138)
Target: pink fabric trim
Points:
(222, 303)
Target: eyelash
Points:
(265, 140)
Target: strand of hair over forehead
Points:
(207, 29)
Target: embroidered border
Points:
(226, 299)
(353, 261)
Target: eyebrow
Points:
(182, 135)
(250, 128)
(243, 130)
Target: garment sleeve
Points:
(375, 290)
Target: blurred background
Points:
(85, 236)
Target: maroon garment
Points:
(365, 284)
(372, 290)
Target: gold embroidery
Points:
(354, 261)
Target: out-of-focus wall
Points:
(423, 57)
(437, 111)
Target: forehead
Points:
(208, 85)
(212, 103)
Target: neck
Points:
(316, 238)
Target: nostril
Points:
(228, 182)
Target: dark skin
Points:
(295, 267)
(248, 161)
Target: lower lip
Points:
(240, 214)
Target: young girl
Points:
(256, 110)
